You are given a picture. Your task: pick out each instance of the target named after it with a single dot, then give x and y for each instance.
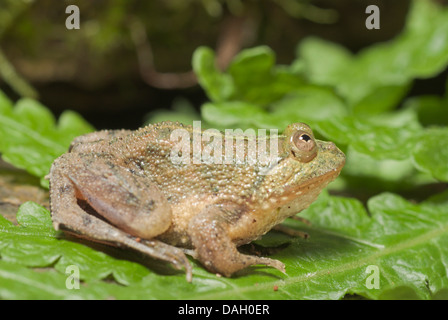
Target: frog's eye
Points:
(303, 146)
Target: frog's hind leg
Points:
(67, 215)
(121, 196)
(215, 249)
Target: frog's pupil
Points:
(305, 137)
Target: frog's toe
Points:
(180, 262)
(277, 264)
(172, 254)
(250, 260)
(301, 219)
(291, 232)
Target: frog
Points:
(122, 188)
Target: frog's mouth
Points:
(326, 178)
(301, 197)
(329, 157)
(320, 180)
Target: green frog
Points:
(124, 188)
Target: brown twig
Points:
(234, 34)
(9, 74)
(146, 64)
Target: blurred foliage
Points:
(34, 37)
(31, 138)
(109, 70)
(106, 31)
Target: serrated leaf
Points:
(406, 242)
(431, 153)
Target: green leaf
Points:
(308, 104)
(22, 283)
(252, 64)
(386, 136)
(350, 97)
(252, 77)
(231, 114)
(405, 241)
(258, 80)
(431, 110)
(431, 153)
(427, 41)
(30, 137)
(360, 165)
(331, 65)
(35, 243)
(402, 241)
(32, 215)
(5, 104)
(219, 86)
(377, 78)
(323, 61)
(382, 99)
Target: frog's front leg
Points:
(213, 246)
(114, 200)
(291, 231)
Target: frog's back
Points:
(167, 152)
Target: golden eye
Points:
(303, 146)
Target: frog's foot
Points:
(290, 231)
(171, 254)
(191, 252)
(214, 248)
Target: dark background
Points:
(95, 70)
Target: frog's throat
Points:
(317, 183)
